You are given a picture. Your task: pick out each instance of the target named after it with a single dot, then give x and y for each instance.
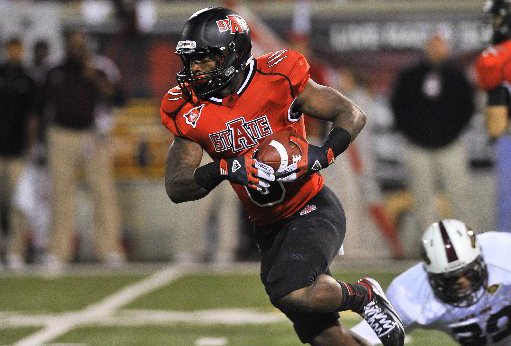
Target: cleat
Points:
(381, 316)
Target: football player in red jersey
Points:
(225, 103)
(493, 72)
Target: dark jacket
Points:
(70, 96)
(432, 105)
(17, 101)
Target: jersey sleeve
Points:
(411, 295)
(299, 74)
(172, 102)
(290, 64)
(493, 66)
(495, 247)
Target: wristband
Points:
(498, 96)
(208, 176)
(337, 141)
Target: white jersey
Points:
(487, 322)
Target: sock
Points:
(355, 296)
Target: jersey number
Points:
(269, 196)
(477, 337)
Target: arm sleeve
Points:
(289, 64)
(401, 298)
(169, 109)
(465, 105)
(400, 100)
(488, 67)
(168, 121)
(299, 75)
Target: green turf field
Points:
(196, 306)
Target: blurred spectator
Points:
(354, 85)
(78, 96)
(39, 68)
(17, 134)
(320, 73)
(40, 60)
(212, 233)
(433, 103)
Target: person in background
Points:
(77, 94)
(18, 129)
(493, 75)
(362, 161)
(319, 71)
(433, 103)
(39, 68)
(40, 60)
(461, 287)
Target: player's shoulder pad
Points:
(411, 294)
(173, 101)
(494, 247)
(282, 61)
(489, 65)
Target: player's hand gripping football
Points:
(245, 170)
(313, 158)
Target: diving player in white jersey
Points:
(462, 287)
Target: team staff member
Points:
(227, 102)
(75, 94)
(18, 128)
(433, 104)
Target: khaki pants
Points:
(10, 171)
(445, 169)
(191, 225)
(69, 152)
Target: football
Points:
(278, 151)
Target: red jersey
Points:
(272, 83)
(493, 66)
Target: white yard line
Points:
(62, 323)
(205, 317)
(126, 317)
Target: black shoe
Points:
(381, 316)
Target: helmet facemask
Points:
(446, 286)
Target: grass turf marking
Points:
(62, 323)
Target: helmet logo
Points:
(193, 115)
(493, 288)
(186, 45)
(229, 71)
(233, 24)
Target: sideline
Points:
(63, 323)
